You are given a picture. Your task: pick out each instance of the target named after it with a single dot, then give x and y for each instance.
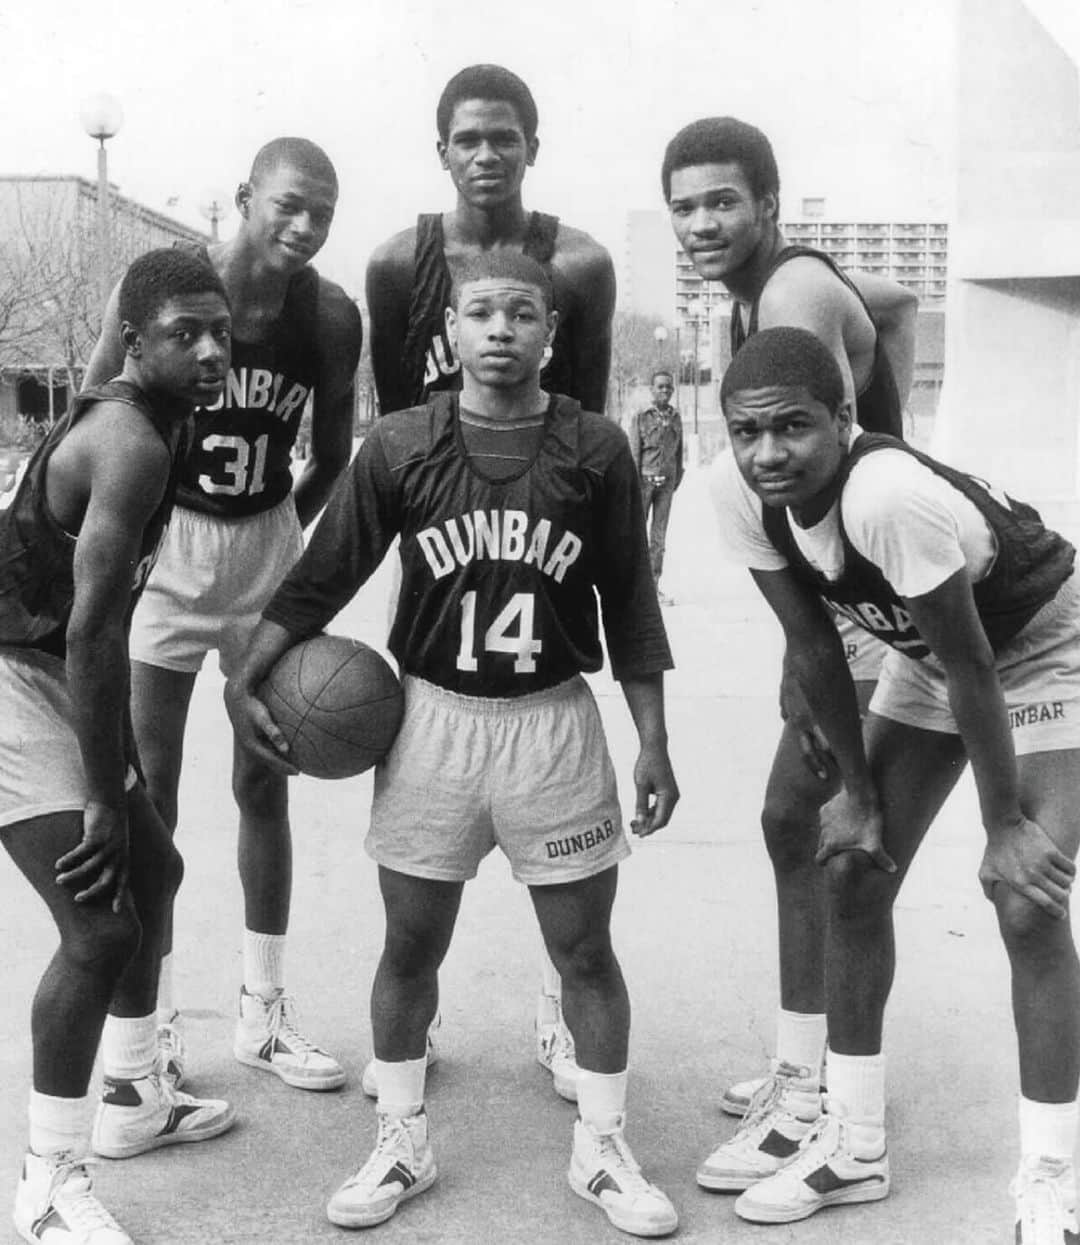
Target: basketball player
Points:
(982, 612)
(721, 184)
(74, 818)
(486, 121)
(235, 532)
(515, 509)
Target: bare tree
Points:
(635, 355)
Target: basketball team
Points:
(929, 620)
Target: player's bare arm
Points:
(341, 336)
(388, 288)
(255, 729)
(127, 466)
(107, 359)
(894, 310)
(655, 787)
(1018, 852)
(589, 276)
(804, 294)
(815, 658)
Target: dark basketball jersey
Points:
(429, 362)
(499, 579)
(1031, 563)
(240, 462)
(878, 407)
(37, 580)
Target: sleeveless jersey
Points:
(878, 407)
(37, 580)
(240, 462)
(429, 362)
(499, 579)
(1031, 564)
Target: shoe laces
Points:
(767, 1101)
(282, 1018)
(392, 1143)
(560, 1044)
(825, 1138)
(171, 1047)
(614, 1154)
(72, 1189)
(1041, 1213)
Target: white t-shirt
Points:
(914, 526)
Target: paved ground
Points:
(695, 931)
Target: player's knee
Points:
(857, 888)
(587, 959)
(410, 950)
(260, 793)
(101, 941)
(1024, 926)
(791, 833)
(156, 876)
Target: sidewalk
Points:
(695, 931)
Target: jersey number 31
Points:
(501, 637)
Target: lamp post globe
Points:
(101, 116)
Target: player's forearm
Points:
(982, 718)
(268, 641)
(312, 490)
(98, 683)
(645, 699)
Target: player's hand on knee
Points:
(656, 791)
(256, 730)
(98, 866)
(848, 825)
(1025, 858)
(817, 756)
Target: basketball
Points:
(338, 704)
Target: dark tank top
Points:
(428, 360)
(37, 579)
(878, 407)
(240, 462)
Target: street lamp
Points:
(214, 206)
(101, 117)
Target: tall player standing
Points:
(515, 510)
(76, 544)
(487, 121)
(236, 530)
(722, 187)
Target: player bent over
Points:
(981, 610)
(76, 545)
(515, 509)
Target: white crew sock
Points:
(1048, 1129)
(857, 1091)
(59, 1124)
(601, 1099)
(166, 1010)
(800, 1039)
(129, 1046)
(401, 1085)
(264, 963)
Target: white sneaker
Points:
(268, 1037)
(825, 1172)
(602, 1170)
(735, 1100)
(1045, 1192)
(555, 1051)
(369, 1082)
(171, 1052)
(136, 1116)
(401, 1166)
(55, 1204)
(782, 1112)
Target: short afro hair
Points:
(511, 265)
(723, 140)
(785, 356)
(157, 276)
(486, 82)
(296, 153)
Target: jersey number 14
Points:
(501, 636)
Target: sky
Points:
(855, 95)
